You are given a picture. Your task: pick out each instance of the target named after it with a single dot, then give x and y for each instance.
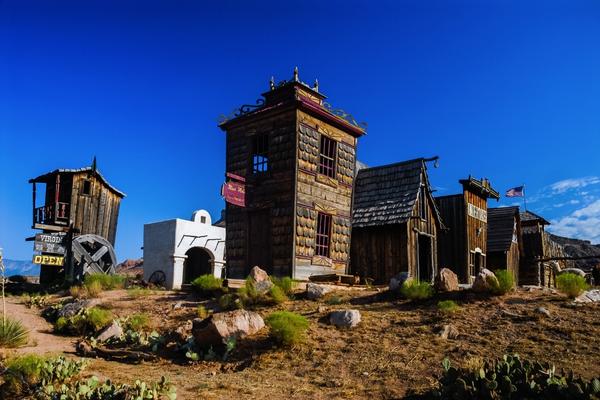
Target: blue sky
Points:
(507, 90)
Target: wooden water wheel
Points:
(92, 254)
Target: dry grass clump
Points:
(287, 328)
(12, 333)
(571, 284)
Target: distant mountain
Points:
(19, 267)
(131, 267)
(580, 248)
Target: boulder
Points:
(397, 281)
(448, 332)
(261, 280)
(542, 311)
(216, 329)
(71, 309)
(446, 281)
(485, 281)
(112, 331)
(344, 318)
(590, 296)
(576, 271)
(314, 291)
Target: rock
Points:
(321, 309)
(485, 281)
(542, 311)
(397, 281)
(177, 305)
(448, 332)
(216, 329)
(575, 271)
(182, 333)
(112, 331)
(84, 349)
(446, 281)
(314, 291)
(261, 280)
(344, 318)
(71, 309)
(590, 296)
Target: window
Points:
(87, 187)
(203, 219)
(327, 157)
(323, 234)
(260, 154)
(422, 203)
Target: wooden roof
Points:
(387, 194)
(50, 175)
(528, 216)
(501, 222)
(481, 187)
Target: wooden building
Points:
(504, 244)
(296, 156)
(395, 222)
(80, 203)
(537, 246)
(462, 247)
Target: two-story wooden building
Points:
(80, 204)
(296, 157)
(462, 247)
(395, 223)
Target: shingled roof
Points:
(91, 170)
(500, 227)
(387, 194)
(528, 216)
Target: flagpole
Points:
(524, 198)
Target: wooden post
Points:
(56, 197)
(34, 211)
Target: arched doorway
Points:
(199, 261)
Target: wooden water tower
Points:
(78, 216)
(296, 158)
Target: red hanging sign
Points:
(234, 190)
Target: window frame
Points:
(323, 235)
(328, 157)
(422, 203)
(259, 154)
(83, 187)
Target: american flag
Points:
(515, 192)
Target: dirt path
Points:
(41, 339)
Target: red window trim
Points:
(323, 243)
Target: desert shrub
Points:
(106, 282)
(208, 285)
(35, 300)
(202, 312)
(512, 378)
(249, 295)
(287, 328)
(138, 322)
(286, 284)
(97, 318)
(506, 282)
(78, 292)
(571, 284)
(448, 307)
(229, 302)
(415, 290)
(138, 292)
(30, 373)
(93, 289)
(277, 294)
(89, 321)
(12, 333)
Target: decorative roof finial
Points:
(272, 83)
(316, 85)
(94, 164)
(296, 74)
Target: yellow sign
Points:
(49, 260)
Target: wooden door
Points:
(259, 240)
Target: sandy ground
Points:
(41, 338)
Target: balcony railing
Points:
(53, 214)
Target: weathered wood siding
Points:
(319, 193)
(271, 193)
(380, 252)
(452, 246)
(96, 213)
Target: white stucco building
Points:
(183, 250)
